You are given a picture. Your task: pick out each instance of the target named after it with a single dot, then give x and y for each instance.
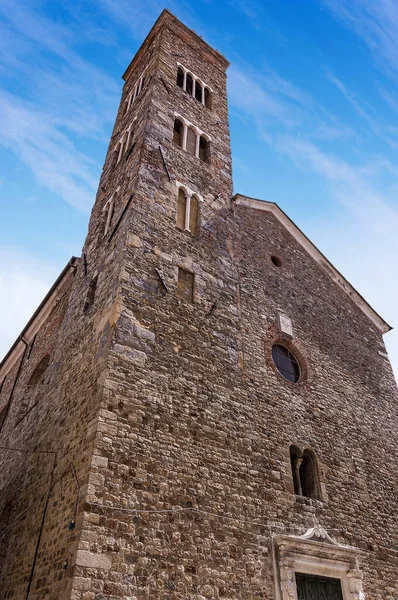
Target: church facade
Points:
(202, 407)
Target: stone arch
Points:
(194, 214)
(181, 207)
(198, 91)
(178, 132)
(191, 140)
(180, 77)
(189, 83)
(304, 465)
(204, 148)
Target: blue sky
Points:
(313, 113)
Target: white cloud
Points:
(24, 281)
(376, 22)
(273, 102)
(64, 101)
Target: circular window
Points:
(286, 363)
(277, 261)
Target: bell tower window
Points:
(178, 133)
(187, 209)
(191, 138)
(180, 78)
(191, 141)
(189, 84)
(193, 85)
(204, 147)
(198, 91)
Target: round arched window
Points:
(286, 363)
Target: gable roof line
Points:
(316, 254)
(36, 321)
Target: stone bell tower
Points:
(197, 410)
(161, 228)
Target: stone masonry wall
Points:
(172, 413)
(196, 420)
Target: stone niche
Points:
(315, 553)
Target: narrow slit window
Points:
(178, 133)
(185, 285)
(90, 297)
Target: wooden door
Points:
(311, 587)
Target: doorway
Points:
(311, 587)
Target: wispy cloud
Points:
(376, 22)
(39, 142)
(370, 118)
(273, 102)
(62, 103)
(23, 282)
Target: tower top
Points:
(167, 19)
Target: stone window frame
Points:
(319, 487)
(137, 89)
(125, 142)
(195, 80)
(198, 132)
(188, 194)
(108, 210)
(274, 336)
(315, 553)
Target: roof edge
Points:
(72, 263)
(316, 254)
(162, 21)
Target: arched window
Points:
(178, 133)
(191, 141)
(180, 78)
(119, 149)
(305, 473)
(38, 373)
(198, 91)
(187, 211)
(309, 475)
(181, 208)
(207, 98)
(204, 149)
(194, 215)
(189, 84)
(108, 211)
(129, 141)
